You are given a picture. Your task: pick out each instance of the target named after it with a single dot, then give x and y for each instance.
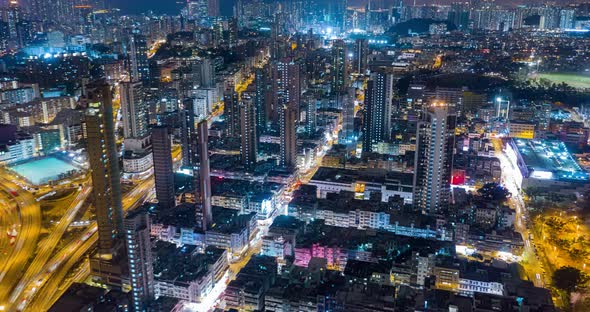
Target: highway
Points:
(51, 277)
(47, 246)
(8, 219)
(53, 288)
(26, 240)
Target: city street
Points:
(532, 265)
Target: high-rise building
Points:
(187, 132)
(139, 68)
(207, 72)
(40, 9)
(134, 109)
(339, 66)
(311, 109)
(248, 137)
(13, 19)
(163, 171)
(213, 7)
(233, 32)
(231, 112)
(348, 100)
(288, 132)
(139, 258)
(202, 179)
(378, 104)
(434, 158)
(261, 100)
(286, 86)
(459, 15)
(104, 164)
(566, 18)
(360, 55)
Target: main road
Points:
(509, 172)
(48, 245)
(26, 240)
(51, 276)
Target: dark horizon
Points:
(171, 7)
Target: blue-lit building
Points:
(545, 164)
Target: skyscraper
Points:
(286, 77)
(134, 109)
(348, 100)
(213, 7)
(201, 176)
(360, 55)
(339, 66)
(261, 100)
(378, 102)
(163, 174)
(434, 158)
(13, 19)
(139, 69)
(139, 258)
(187, 132)
(311, 110)
(566, 18)
(207, 72)
(231, 112)
(104, 164)
(248, 137)
(288, 131)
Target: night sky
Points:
(174, 6)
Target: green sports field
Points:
(576, 80)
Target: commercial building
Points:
(247, 290)
(15, 145)
(134, 109)
(163, 170)
(248, 137)
(103, 159)
(342, 210)
(186, 274)
(364, 183)
(202, 177)
(378, 105)
(139, 257)
(545, 164)
(434, 158)
(521, 129)
(340, 64)
(360, 55)
(233, 232)
(137, 52)
(288, 132)
(286, 84)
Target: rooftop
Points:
(549, 159)
(348, 176)
(182, 264)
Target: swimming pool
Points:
(40, 171)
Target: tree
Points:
(568, 279)
(494, 191)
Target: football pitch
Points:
(576, 80)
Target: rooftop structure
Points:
(545, 163)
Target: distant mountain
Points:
(171, 7)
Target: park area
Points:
(574, 80)
(562, 241)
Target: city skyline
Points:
(294, 155)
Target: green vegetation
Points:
(574, 80)
(568, 280)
